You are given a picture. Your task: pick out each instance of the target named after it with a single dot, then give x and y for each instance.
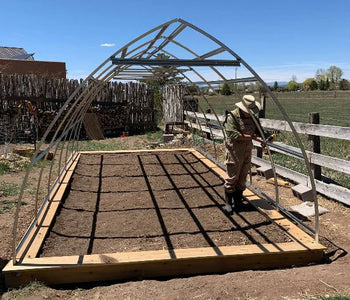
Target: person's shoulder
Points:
(235, 112)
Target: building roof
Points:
(15, 53)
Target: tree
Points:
(192, 90)
(313, 85)
(320, 75)
(225, 90)
(310, 84)
(163, 75)
(324, 85)
(275, 86)
(334, 74)
(344, 84)
(292, 86)
(327, 84)
(251, 88)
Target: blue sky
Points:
(278, 39)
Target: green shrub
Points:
(4, 168)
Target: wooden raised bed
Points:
(142, 214)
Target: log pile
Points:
(113, 117)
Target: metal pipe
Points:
(281, 208)
(175, 62)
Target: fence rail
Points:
(208, 124)
(337, 132)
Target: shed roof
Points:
(15, 53)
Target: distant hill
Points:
(280, 83)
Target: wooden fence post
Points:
(314, 118)
(261, 115)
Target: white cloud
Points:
(107, 45)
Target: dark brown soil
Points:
(150, 201)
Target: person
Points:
(240, 130)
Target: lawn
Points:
(333, 107)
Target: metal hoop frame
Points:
(159, 40)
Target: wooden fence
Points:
(209, 124)
(124, 106)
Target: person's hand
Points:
(257, 138)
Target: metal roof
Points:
(15, 53)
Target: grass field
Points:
(334, 107)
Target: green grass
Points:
(100, 146)
(344, 297)
(219, 103)
(329, 147)
(154, 136)
(120, 144)
(43, 163)
(9, 189)
(6, 206)
(333, 110)
(333, 107)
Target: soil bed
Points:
(137, 201)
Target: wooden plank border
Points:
(134, 151)
(34, 237)
(151, 264)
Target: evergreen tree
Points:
(225, 90)
(313, 85)
(327, 85)
(344, 84)
(322, 85)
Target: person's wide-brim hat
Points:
(249, 105)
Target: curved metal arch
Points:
(77, 104)
(224, 134)
(190, 69)
(284, 113)
(217, 118)
(169, 39)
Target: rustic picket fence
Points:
(119, 106)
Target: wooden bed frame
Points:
(151, 264)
